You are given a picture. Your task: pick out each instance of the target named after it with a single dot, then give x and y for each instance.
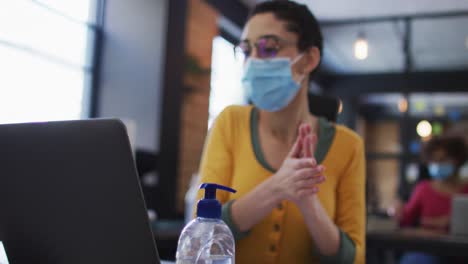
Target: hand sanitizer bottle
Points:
(207, 239)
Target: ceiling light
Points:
(361, 48)
(424, 129)
(340, 107)
(439, 110)
(403, 105)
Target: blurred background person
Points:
(429, 207)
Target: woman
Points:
(430, 203)
(288, 209)
(429, 207)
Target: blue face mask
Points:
(441, 171)
(269, 82)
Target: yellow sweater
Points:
(229, 159)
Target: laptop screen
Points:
(69, 193)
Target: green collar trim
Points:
(326, 131)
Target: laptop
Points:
(69, 194)
(458, 224)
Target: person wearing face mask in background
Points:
(300, 179)
(429, 206)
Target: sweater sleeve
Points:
(350, 214)
(412, 210)
(346, 252)
(217, 160)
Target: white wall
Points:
(132, 66)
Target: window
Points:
(46, 50)
(226, 74)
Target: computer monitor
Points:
(69, 193)
(458, 226)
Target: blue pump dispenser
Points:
(209, 207)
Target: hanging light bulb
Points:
(361, 47)
(424, 129)
(403, 105)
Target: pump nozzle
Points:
(209, 207)
(210, 189)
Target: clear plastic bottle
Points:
(207, 239)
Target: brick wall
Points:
(202, 27)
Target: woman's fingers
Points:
(304, 164)
(309, 145)
(306, 129)
(308, 183)
(307, 191)
(309, 141)
(304, 173)
(303, 130)
(296, 149)
(306, 147)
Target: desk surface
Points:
(416, 240)
(396, 239)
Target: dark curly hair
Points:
(455, 148)
(299, 20)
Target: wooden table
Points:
(381, 242)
